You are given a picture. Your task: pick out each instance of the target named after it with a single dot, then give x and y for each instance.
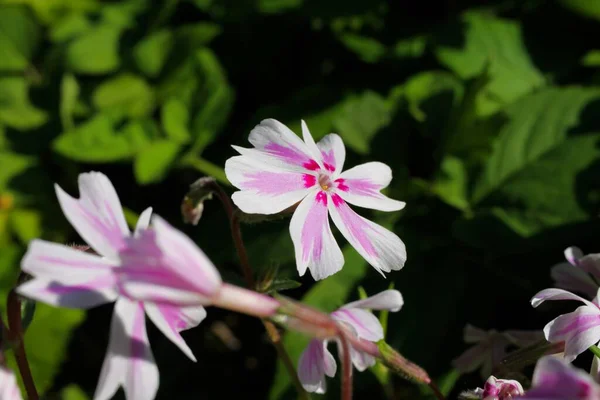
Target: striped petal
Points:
(557, 294)
(333, 153)
(365, 324)
(579, 330)
(390, 300)
(315, 362)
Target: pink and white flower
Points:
(316, 361)
(579, 329)
(490, 348)
(497, 389)
(66, 277)
(282, 170)
(554, 378)
(581, 273)
(8, 385)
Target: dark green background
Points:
(488, 113)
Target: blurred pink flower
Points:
(499, 389)
(282, 170)
(554, 378)
(66, 277)
(8, 385)
(316, 361)
(580, 274)
(490, 348)
(579, 329)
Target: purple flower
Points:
(554, 378)
(282, 170)
(496, 389)
(580, 274)
(579, 329)
(8, 385)
(66, 277)
(490, 348)
(316, 361)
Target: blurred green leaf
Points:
(278, 6)
(13, 164)
(367, 49)
(422, 87)
(175, 119)
(96, 51)
(195, 36)
(16, 110)
(73, 392)
(586, 8)
(534, 171)
(591, 59)
(26, 224)
(412, 47)
(497, 44)
(19, 38)
(69, 27)
(451, 184)
(326, 295)
(69, 93)
(279, 285)
(359, 118)
(152, 52)
(125, 94)
(154, 161)
(94, 141)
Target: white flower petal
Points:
(333, 153)
(573, 278)
(579, 330)
(556, 294)
(361, 186)
(97, 215)
(265, 189)
(143, 221)
(314, 244)
(315, 362)
(99, 290)
(172, 320)
(129, 361)
(8, 385)
(554, 378)
(380, 247)
(365, 324)
(387, 300)
(311, 146)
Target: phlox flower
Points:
(8, 385)
(554, 378)
(316, 361)
(66, 277)
(496, 389)
(490, 348)
(579, 329)
(282, 170)
(581, 273)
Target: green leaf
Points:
(538, 170)
(367, 49)
(175, 119)
(152, 52)
(198, 35)
(586, 8)
(326, 295)
(124, 94)
(451, 184)
(26, 224)
(73, 392)
(279, 285)
(422, 87)
(154, 161)
(95, 52)
(496, 44)
(13, 164)
(69, 92)
(413, 47)
(69, 27)
(359, 118)
(94, 141)
(19, 38)
(591, 59)
(16, 110)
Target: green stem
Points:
(594, 349)
(207, 168)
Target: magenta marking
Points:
(329, 159)
(309, 180)
(357, 227)
(337, 200)
(341, 184)
(329, 167)
(321, 198)
(578, 324)
(311, 165)
(289, 154)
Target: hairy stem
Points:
(346, 367)
(271, 329)
(16, 337)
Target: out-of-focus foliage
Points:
(488, 115)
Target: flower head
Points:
(496, 389)
(316, 361)
(282, 170)
(554, 378)
(581, 273)
(579, 329)
(8, 385)
(490, 347)
(64, 276)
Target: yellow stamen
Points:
(324, 187)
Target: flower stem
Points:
(594, 349)
(16, 336)
(271, 329)
(346, 366)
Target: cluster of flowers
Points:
(159, 272)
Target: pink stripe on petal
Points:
(290, 155)
(356, 226)
(365, 324)
(273, 183)
(315, 362)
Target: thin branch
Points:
(16, 337)
(271, 329)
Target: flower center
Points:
(325, 181)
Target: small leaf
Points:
(586, 8)
(95, 52)
(16, 110)
(279, 285)
(154, 161)
(124, 94)
(69, 92)
(26, 224)
(19, 38)
(367, 49)
(591, 59)
(152, 52)
(175, 119)
(451, 184)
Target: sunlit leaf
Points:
(96, 51)
(154, 161)
(152, 52)
(19, 38)
(124, 94)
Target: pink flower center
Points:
(325, 181)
